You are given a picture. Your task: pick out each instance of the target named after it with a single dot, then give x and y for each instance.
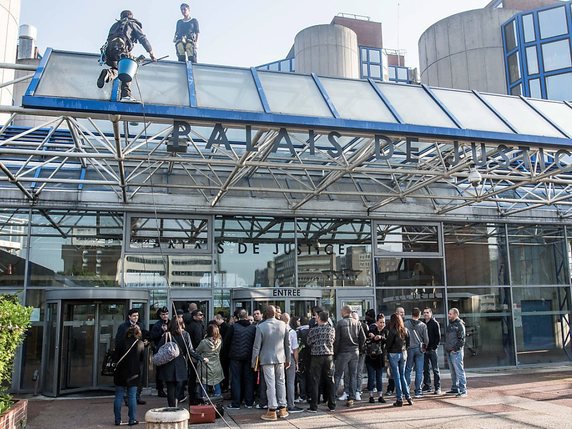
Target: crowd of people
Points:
(275, 361)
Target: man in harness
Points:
(186, 36)
(120, 42)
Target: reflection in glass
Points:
(552, 22)
(516, 90)
(334, 252)
(403, 73)
(254, 252)
(532, 60)
(556, 55)
(160, 271)
(392, 238)
(13, 233)
(535, 90)
(374, 56)
(510, 36)
(513, 67)
(79, 249)
(487, 317)
(32, 346)
(408, 298)
(475, 254)
(409, 272)
(559, 87)
(528, 25)
(541, 323)
(537, 255)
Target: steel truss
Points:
(108, 153)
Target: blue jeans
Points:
(397, 362)
(374, 377)
(458, 378)
(431, 360)
(242, 382)
(217, 390)
(415, 359)
(131, 402)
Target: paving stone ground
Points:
(532, 398)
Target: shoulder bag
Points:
(109, 366)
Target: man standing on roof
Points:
(120, 42)
(186, 36)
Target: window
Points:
(535, 90)
(375, 71)
(532, 60)
(374, 56)
(528, 24)
(510, 36)
(556, 55)
(559, 87)
(552, 22)
(516, 90)
(395, 239)
(513, 68)
(403, 73)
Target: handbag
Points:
(373, 349)
(109, 366)
(167, 352)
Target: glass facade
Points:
(537, 53)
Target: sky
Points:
(240, 33)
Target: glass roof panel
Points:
(226, 88)
(356, 99)
(470, 111)
(72, 75)
(415, 106)
(521, 116)
(162, 83)
(293, 94)
(559, 113)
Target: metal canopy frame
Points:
(85, 147)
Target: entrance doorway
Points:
(296, 302)
(79, 332)
(359, 299)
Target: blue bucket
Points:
(127, 69)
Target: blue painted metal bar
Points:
(278, 120)
(82, 175)
(497, 113)
(546, 118)
(191, 85)
(260, 90)
(380, 94)
(115, 90)
(325, 95)
(434, 97)
(39, 73)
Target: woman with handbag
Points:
(129, 352)
(397, 344)
(174, 373)
(374, 359)
(211, 374)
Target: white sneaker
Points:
(358, 396)
(344, 397)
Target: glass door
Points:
(359, 300)
(78, 346)
(51, 350)
(111, 315)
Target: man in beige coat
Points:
(271, 353)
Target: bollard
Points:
(167, 418)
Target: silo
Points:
(327, 50)
(465, 51)
(9, 20)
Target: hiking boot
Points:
(283, 413)
(350, 403)
(270, 415)
(103, 78)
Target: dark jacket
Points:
(377, 362)
(196, 330)
(128, 370)
(350, 336)
(122, 331)
(176, 370)
(455, 336)
(131, 31)
(434, 332)
(396, 344)
(239, 341)
(157, 333)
